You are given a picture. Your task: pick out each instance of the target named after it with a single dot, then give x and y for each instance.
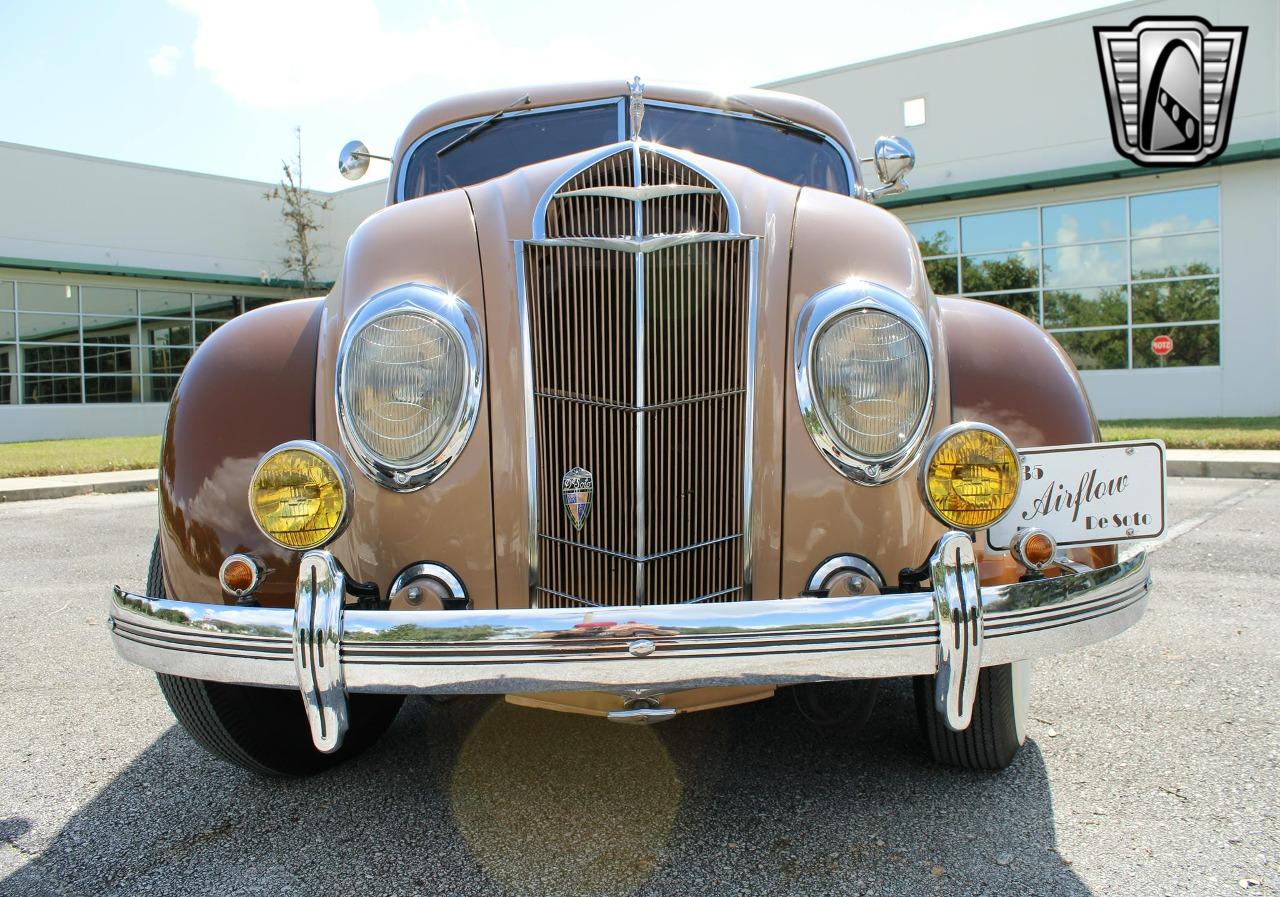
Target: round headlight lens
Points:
(405, 376)
(971, 477)
(298, 498)
(870, 377)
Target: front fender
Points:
(250, 387)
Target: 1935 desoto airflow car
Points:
(630, 402)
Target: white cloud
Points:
(164, 62)
(291, 53)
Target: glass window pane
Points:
(51, 359)
(111, 389)
(8, 391)
(49, 328)
(1000, 271)
(1175, 256)
(1082, 221)
(7, 326)
(942, 276)
(110, 330)
(109, 301)
(222, 308)
(50, 390)
(168, 361)
(1095, 350)
(204, 328)
(1174, 212)
(158, 389)
(48, 297)
(937, 237)
(1175, 300)
(1090, 265)
(252, 302)
(1193, 346)
(110, 359)
(162, 302)
(6, 294)
(8, 359)
(1026, 304)
(166, 333)
(1086, 308)
(999, 230)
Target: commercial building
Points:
(112, 273)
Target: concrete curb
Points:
(1180, 463)
(33, 488)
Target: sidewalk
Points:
(1181, 463)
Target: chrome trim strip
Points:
(458, 317)
(777, 642)
(820, 310)
(644, 557)
(641, 193)
(641, 244)
(530, 421)
(327, 455)
(641, 344)
(958, 607)
(317, 643)
(749, 420)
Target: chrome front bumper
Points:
(328, 650)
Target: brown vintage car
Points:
(631, 402)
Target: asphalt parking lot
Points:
(1151, 766)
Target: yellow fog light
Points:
(970, 476)
(299, 495)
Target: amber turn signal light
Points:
(1033, 548)
(239, 575)
(298, 495)
(969, 478)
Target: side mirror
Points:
(353, 161)
(894, 158)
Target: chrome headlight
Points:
(410, 368)
(864, 377)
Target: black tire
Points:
(264, 730)
(997, 728)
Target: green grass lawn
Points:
(1200, 432)
(19, 459)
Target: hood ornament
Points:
(637, 106)
(577, 491)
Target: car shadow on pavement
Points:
(476, 796)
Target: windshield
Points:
(443, 161)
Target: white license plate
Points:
(1089, 494)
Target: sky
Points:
(218, 86)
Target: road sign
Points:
(1162, 345)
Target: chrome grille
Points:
(639, 372)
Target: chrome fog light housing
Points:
(409, 374)
(864, 379)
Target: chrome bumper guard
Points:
(327, 650)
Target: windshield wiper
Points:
(760, 113)
(480, 126)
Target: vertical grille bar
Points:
(640, 366)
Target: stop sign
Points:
(1162, 345)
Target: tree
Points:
(299, 208)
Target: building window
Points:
(66, 343)
(913, 112)
(1104, 276)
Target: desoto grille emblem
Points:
(1170, 85)
(577, 488)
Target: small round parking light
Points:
(239, 575)
(1033, 549)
